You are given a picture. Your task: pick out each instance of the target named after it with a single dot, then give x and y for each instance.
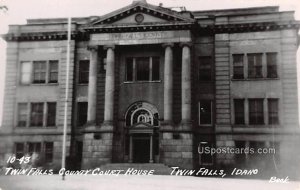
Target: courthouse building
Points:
(150, 84)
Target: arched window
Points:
(141, 112)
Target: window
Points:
(272, 65)
(34, 147)
(84, 71)
(205, 112)
(26, 68)
(142, 69)
(48, 152)
(51, 113)
(22, 114)
(39, 72)
(273, 111)
(239, 116)
(255, 65)
(238, 66)
(82, 113)
(53, 71)
(19, 149)
(205, 68)
(256, 111)
(37, 110)
(205, 159)
(129, 69)
(240, 159)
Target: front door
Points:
(141, 149)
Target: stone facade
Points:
(149, 84)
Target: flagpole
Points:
(63, 161)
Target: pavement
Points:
(137, 182)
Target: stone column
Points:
(109, 85)
(186, 85)
(92, 88)
(151, 148)
(168, 83)
(130, 148)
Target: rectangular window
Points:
(34, 147)
(26, 69)
(129, 69)
(37, 112)
(205, 159)
(273, 111)
(255, 65)
(256, 111)
(238, 66)
(142, 69)
(272, 65)
(22, 114)
(19, 149)
(82, 113)
(205, 68)
(155, 68)
(51, 113)
(48, 152)
(39, 72)
(84, 71)
(240, 159)
(205, 112)
(239, 115)
(53, 71)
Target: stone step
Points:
(159, 169)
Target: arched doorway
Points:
(142, 132)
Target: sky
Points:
(19, 11)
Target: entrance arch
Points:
(142, 129)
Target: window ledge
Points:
(36, 127)
(40, 84)
(205, 125)
(139, 82)
(83, 84)
(254, 79)
(256, 126)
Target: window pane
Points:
(84, 71)
(129, 69)
(48, 152)
(239, 111)
(256, 112)
(20, 149)
(205, 112)
(39, 71)
(155, 68)
(26, 68)
(37, 110)
(22, 114)
(34, 147)
(205, 68)
(51, 117)
(53, 71)
(255, 65)
(238, 66)
(272, 65)
(273, 111)
(205, 159)
(82, 113)
(142, 69)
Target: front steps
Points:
(159, 169)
